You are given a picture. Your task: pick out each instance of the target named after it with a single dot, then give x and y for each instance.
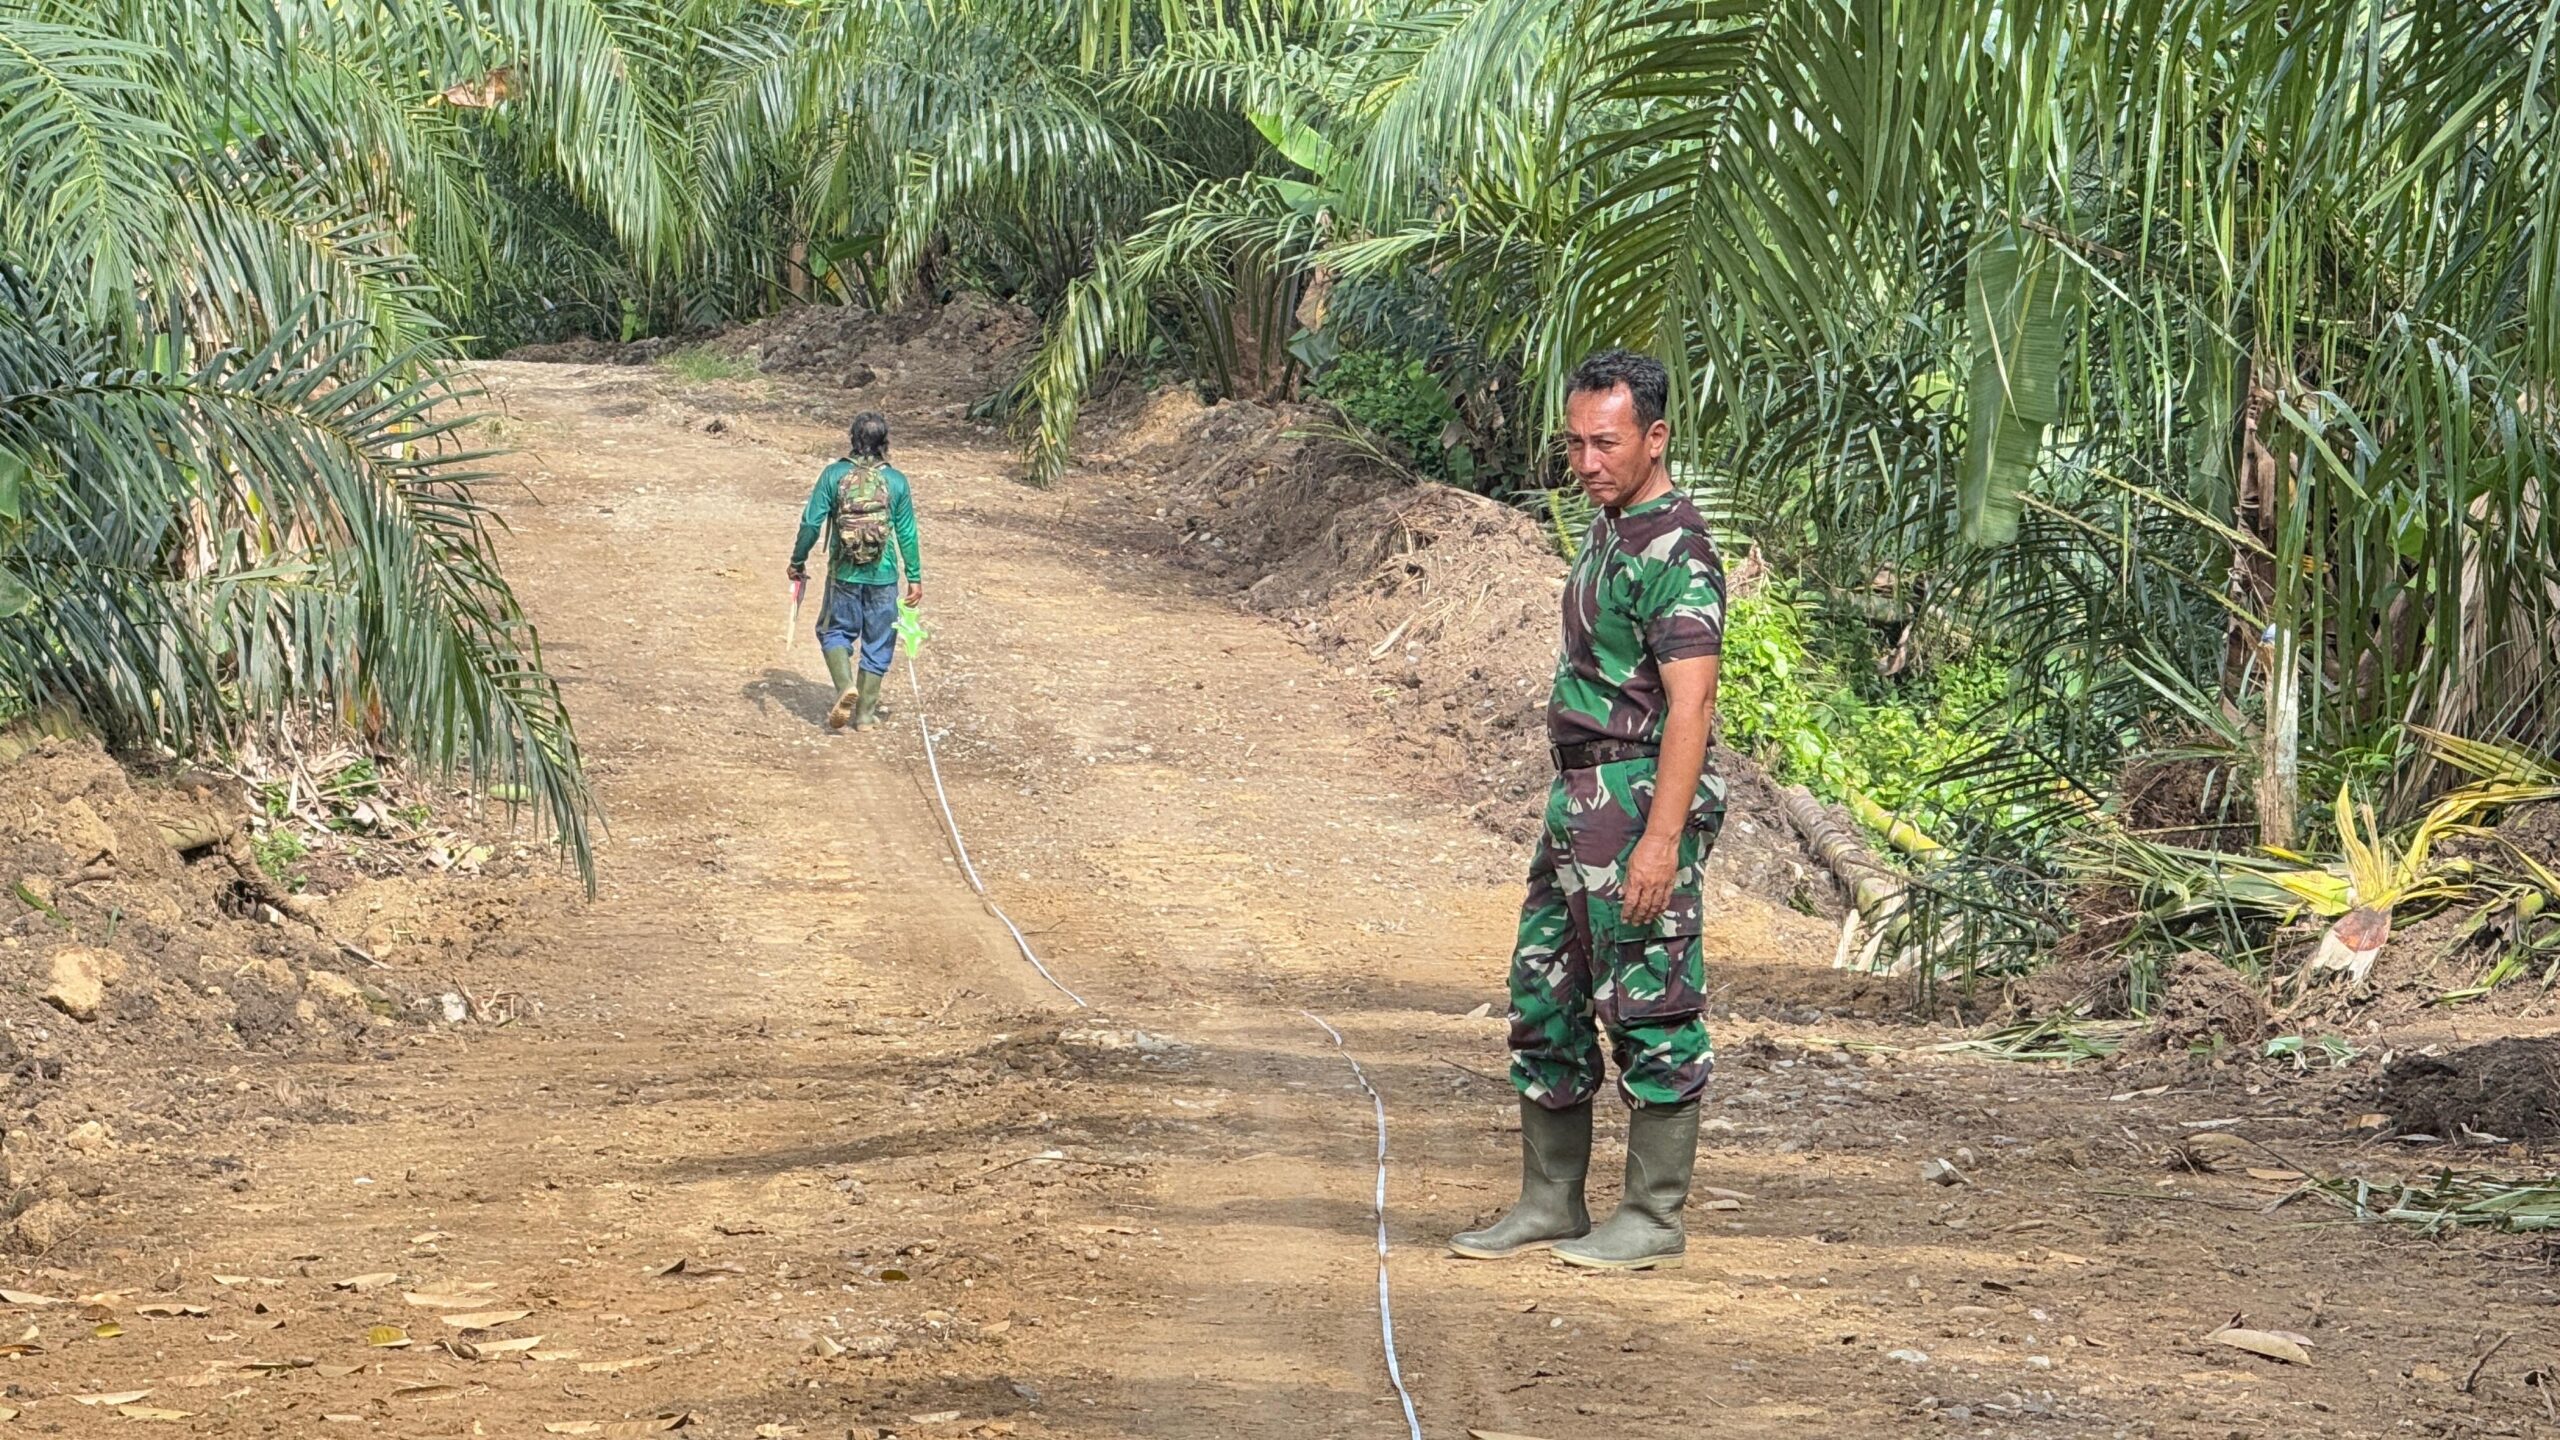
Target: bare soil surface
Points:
(915, 1190)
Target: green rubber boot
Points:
(1555, 1155)
(867, 711)
(1662, 1151)
(840, 670)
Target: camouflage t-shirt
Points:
(1648, 587)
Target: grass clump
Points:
(701, 365)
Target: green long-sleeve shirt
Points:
(902, 524)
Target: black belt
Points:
(1592, 753)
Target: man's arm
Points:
(813, 522)
(1689, 693)
(902, 518)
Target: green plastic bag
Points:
(910, 628)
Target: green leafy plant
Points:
(1396, 397)
(234, 490)
(277, 850)
(1886, 752)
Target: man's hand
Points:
(1689, 693)
(1651, 869)
(915, 593)
(797, 572)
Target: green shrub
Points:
(1787, 696)
(1396, 397)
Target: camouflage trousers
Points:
(1577, 960)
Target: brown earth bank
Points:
(916, 1190)
(150, 967)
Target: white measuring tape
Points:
(961, 849)
(950, 825)
(1377, 1102)
(1378, 1208)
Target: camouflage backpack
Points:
(861, 519)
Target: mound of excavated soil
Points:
(2508, 1088)
(2203, 1005)
(1445, 600)
(952, 353)
(131, 968)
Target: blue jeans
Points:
(864, 615)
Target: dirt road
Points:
(918, 1191)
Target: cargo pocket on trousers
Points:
(1658, 980)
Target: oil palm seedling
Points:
(2378, 878)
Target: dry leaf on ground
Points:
(373, 1281)
(2273, 1344)
(387, 1337)
(655, 1425)
(484, 1319)
(146, 1412)
(120, 1397)
(22, 1297)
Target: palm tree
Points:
(232, 488)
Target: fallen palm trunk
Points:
(225, 833)
(1873, 886)
(1899, 833)
(1878, 894)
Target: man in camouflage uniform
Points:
(1610, 926)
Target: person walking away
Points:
(865, 509)
(1609, 931)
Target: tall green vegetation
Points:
(2190, 360)
(2193, 346)
(2196, 353)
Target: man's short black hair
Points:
(1648, 384)
(869, 437)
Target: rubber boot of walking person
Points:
(1608, 942)
(863, 507)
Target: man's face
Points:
(1609, 452)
